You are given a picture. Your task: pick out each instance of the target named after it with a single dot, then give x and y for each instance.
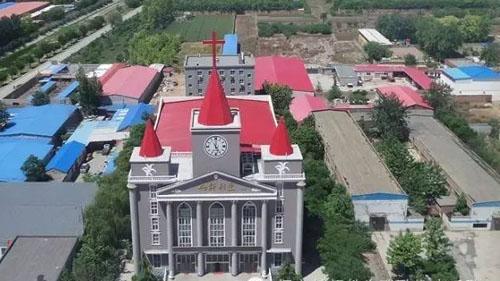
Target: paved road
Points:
(99, 12)
(7, 89)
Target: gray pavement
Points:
(462, 166)
(7, 89)
(352, 156)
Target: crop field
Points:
(200, 27)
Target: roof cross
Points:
(214, 42)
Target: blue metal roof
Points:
(37, 121)
(48, 86)
(56, 68)
(13, 154)
(380, 196)
(135, 115)
(6, 4)
(473, 72)
(230, 44)
(66, 157)
(480, 72)
(68, 90)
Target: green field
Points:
(200, 27)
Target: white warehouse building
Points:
(472, 80)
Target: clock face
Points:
(215, 146)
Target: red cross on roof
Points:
(214, 42)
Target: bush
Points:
(40, 98)
(269, 29)
(133, 3)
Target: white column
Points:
(263, 259)
(170, 238)
(199, 237)
(234, 238)
(299, 226)
(134, 224)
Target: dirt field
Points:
(314, 49)
(246, 28)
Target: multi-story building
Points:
(236, 74)
(217, 187)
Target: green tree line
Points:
(414, 4)
(238, 5)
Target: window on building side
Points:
(278, 259)
(279, 207)
(155, 239)
(278, 229)
(199, 72)
(249, 75)
(216, 225)
(156, 260)
(155, 224)
(279, 189)
(152, 192)
(154, 208)
(248, 225)
(184, 226)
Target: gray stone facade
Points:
(217, 220)
(236, 74)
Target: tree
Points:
(89, 92)
(157, 14)
(287, 272)
(334, 93)
(491, 54)
(475, 28)
(461, 206)
(404, 254)
(146, 274)
(376, 51)
(309, 141)
(146, 48)
(54, 14)
(4, 116)
(359, 97)
(114, 18)
(397, 27)
(40, 98)
(34, 169)
(439, 96)
(436, 244)
(389, 117)
(133, 3)
(410, 60)
(438, 39)
(281, 97)
(495, 128)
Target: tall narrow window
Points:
(152, 192)
(248, 224)
(154, 207)
(184, 233)
(216, 225)
(155, 224)
(278, 229)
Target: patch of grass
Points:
(200, 27)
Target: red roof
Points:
(215, 108)
(110, 72)
(283, 71)
(22, 8)
(150, 145)
(406, 95)
(280, 144)
(256, 115)
(303, 105)
(130, 82)
(415, 74)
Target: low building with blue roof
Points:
(64, 95)
(45, 122)
(473, 82)
(65, 164)
(15, 151)
(231, 46)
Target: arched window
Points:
(248, 225)
(216, 225)
(184, 233)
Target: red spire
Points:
(150, 146)
(215, 108)
(280, 144)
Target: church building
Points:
(216, 186)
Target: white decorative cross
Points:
(282, 168)
(149, 170)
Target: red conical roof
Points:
(215, 108)
(280, 144)
(150, 146)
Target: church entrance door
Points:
(217, 263)
(186, 263)
(249, 262)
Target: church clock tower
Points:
(215, 128)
